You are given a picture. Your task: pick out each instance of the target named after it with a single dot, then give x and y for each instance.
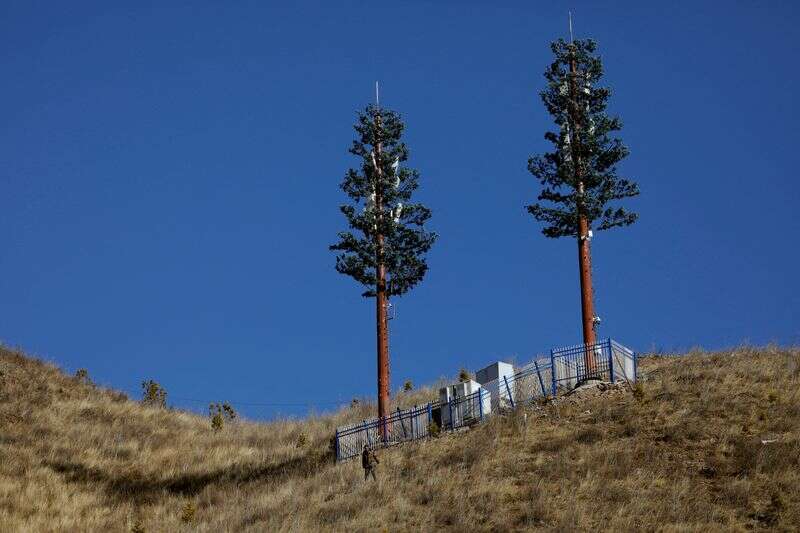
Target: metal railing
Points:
(567, 368)
(526, 385)
(605, 360)
(625, 362)
(465, 410)
(400, 426)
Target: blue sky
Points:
(170, 171)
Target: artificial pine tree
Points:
(579, 177)
(386, 251)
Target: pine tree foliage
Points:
(586, 152)
(397, 219)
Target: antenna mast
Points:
(570, 26)
(584, 228)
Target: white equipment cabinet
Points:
(498, 379)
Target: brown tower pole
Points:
(381, 299)
(585, 265)
(584, 251)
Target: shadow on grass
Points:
(139, 488)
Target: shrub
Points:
(770, 516)
(216, 420)
(137, 527)
(589, 435)
(772, 397)
(153, 394)
(82, 375)
(118, 397)
(464, 376)
(433, 429)
(407, 386)
(332, 447)
(302, 440)
(638, 391)
(188, 512)
(218, 413)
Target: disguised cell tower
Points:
(386, 254)
(579, 178)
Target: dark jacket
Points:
(368, 459)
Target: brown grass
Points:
(684, 453)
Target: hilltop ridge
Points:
(706, 441)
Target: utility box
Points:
(462, 404)
(493, 372)
(498, 379)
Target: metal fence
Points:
(567, 368)
(400, 426)
(576, 364)
(625, 362)
(526, 385)
(465, 411)
(604, 360)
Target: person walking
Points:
(368, 462)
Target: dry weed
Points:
(707, 442)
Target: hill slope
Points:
(707, 441)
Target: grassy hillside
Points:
(709, 441)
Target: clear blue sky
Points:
(170, 174)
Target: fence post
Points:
(430, 418)
(553, 370)
(635, 366)
(337, 445)
(541, 381)
(480, 402)
(400, 416)
(413, 420)
(366, 430)
(508, 389)
(611, 359)
(450, 410)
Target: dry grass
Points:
(684, 453)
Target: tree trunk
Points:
(587, 303)
(381, 303)
(584, 252)
(383, 348)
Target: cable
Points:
(246, 404)
(261, 404)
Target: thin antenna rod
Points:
(377, 97)
(570, 27)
